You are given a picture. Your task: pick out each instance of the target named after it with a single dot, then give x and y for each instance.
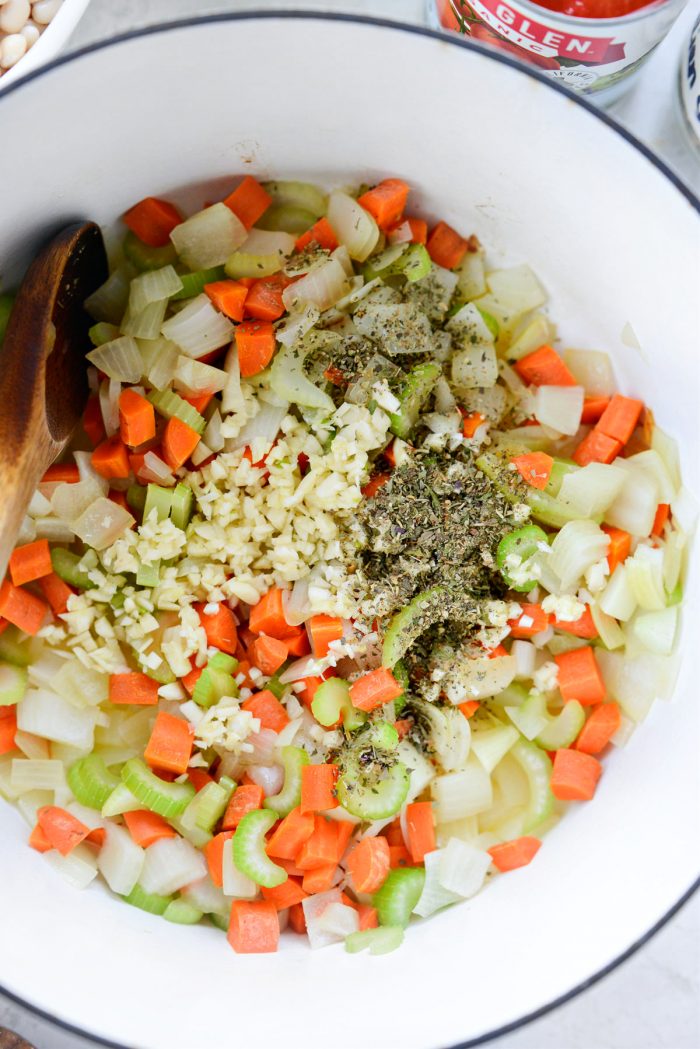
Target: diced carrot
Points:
(145, 827)
(321, 847)
(56, 592)
(620, 418)
(368, 864)
(579, 677)
(344, 831)
(266, 706)
(61, 828)
(3, 626)
(199, 778)
(581, 627)
(255, 341)
(152, 220)
(403, 726)
(111, 459)
(596, 447)
(410, 230)
(249, 201)
(214, 855)
(420, 829)
(544, 367)
(179, 441)
(469, 708)
(445, 246)
(170, 744)
(220, 627)
(399, 856)
(97, 837)
(30, 562)
(497, 652)
(190, 680)
(244, 669)
(285, 895)
(290, 834)
(93, 423)
(137, 418)
(602, 724)
(510, 855)
(297, 919)
(268, 654)
(661, 516)
(374, 689)
(574, 775)
(228, 296)
(38, 840)
(368, 916)
(471, 423)
(320, 879)
(61, 473)
(385, 202)
(299, 644)
(593, 408)
(246, 798)
(133, 688)
(393, 833)
(370, 489)
(8, 729)
(619, 548)
(24, 610)
(323, 630)
(532, 620)
(199, 402)
(264, 301)
(318, 787)
(267, 617)
(321, 233)
(290, 867)
(534, 468)
(254, 927)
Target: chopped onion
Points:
(120, 860)
(434, 895)
(193, 377)
(307, 666)
(27, 530)
(36, 774)
(463, 793)
(69, 501)
(353, 226)
(684, 510)
(235, 883)
(205, 896)
(83, 460)
(109, 393)
(492, 403)
(153, 286)
(463, 868)
(444, 398)
(492, 744)
(645, 575)
(656, 631)
(533, 332)
(608, 628)
(170, 864)
(209, 237)
(322, 286)
(199, 328)
(263, 427)
(266, 242)
(559, 407)
(636, 681)
(475, 367)
(79, 867)
(102, 523)
(47, 714)
(399, 327)
(517, 289)
(269, 777)
(80, 685)
(471, 276)
(651, 463)
(592, 370)
(232, 399)
(53, 530)
(119, 359)
(479, 678)
(635, 507)
(592, 489)
(160, 358)
(154, 469)
(668, 450)
(288, 380)
(109, 301)
(443, 423)
(577, 546)
(673, 559)
(525, 655)
(296, 325)
(212, 436)
(618, 600)
(469, 326)
(295, 603)
(314, 908)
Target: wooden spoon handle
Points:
(18, 479)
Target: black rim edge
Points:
(469, 45)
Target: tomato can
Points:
(592, 55)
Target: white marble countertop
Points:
(652, 1001)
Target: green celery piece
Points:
(221, 921)
(286, 218)
(117, 600)
(148, 575)
(415, 263)
(244, 264)
(249, 849)
(211, 685)
(181, 505)
(398, 896)
(144, 257)
(514, 695)
(91, 781)
(380, 941)
(372, 793)
(524, 542)
(65, 565)
(223, 661)
(416, 390)
(167, 799)
(119, 801)
(560, 468)
(490, 322)
(162, 673)
(13, 684)
(158, 499)
(331, 698)
(383, 736)
(550, 511)
(136, 497)
(299, 194)
(182, 913)
(6, 303)
(538, 770)
(674, 598)
(207, 806)
(423, 610)
(353, 718)
(13, 650)
(148, 901)
(399, 703)
(293, 760)
(193, 284)
(274, 685)
(103, 332)
(563, 729)
(169, 405)
(401, 674)
(545, 508)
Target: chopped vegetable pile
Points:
(348, 582)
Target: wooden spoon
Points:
(43, 383)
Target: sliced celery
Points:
(380, 941)
(162, 673)
(121, 800)
(167, 799)
(228, 664)
(383, 736)
(398, 896)
(538, 770)
(211, 685)
(372, 789)
(416, 390)
(244, 264)
(530, 718)
(65, 565)
(193, 283)
(6, 303)
(286, 218)
(182, 502)
(136, 497)
(207, 806)
(249, 849)
(171, 406)
(414, 264)
(330, 700)
(13, 650)
(13, 684)
(103, 332)
(562, 730)
(144, 257)
(91, 782)
(299, 194)
(523, 543)
(560, 468)
(410, 622)
(293, 761)
(158, 499)
(275, 686)
(148, 901)
(182, 913)
(544, 507)
(221, 921)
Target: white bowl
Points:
(49, 43)
(492, 148)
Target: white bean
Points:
(31, 34)
(44, 10)
(11, 50)
(14, 15)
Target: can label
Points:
(588, 54)
(690, 82)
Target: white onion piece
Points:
(463, 868)
(422, 771)
(109, 392)
(269, 777)
(402, 234)
(109, 301)
(559, 407)
(463, 793)
(342, 255)
(120, 860)
(193, 377)
(212, 436)
(651, 463)
(399, 327)
(296, 325)
(314, 908)
(478, 678)
(516, 291)
(525, 656)
(80, 685)
(79, 867)
(235, 883)
(668, 450)
(322, 286)
(592, 489)
(36, 774)
(656, 631)
(201, 452)
(443, 423)
(635, 507)
(684, 510)
(645, 575)
(353, 226)
(119, 359)
(232, 399)
(475, 367)
(83, 460)
(170, 864)
(264, 744)
(154, 469)
(69, 501)
(673, 559)
(471, 276)
(339, 920)
(434, 895)
(263, 427)
(577, 546)
(160, 358)
(307, 666)
(492, 744)
(444, 398)
(636, 681)
(205, 896)
(209, 237)
(102, 523)
(618, 600)
(592, 370)
(295, 603)
(199, 328)
(288, 380)
(153, 286)
(267, 242)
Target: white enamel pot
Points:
(540, 177)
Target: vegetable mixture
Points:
(348, 583)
